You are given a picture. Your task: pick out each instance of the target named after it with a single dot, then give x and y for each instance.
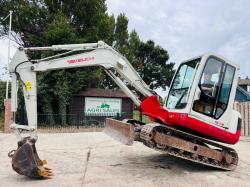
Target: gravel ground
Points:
(94, 159)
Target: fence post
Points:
(243, 119)
(246, 113)
(78, 120)
(248, 109)
(244, 109)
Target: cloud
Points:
(191, 28)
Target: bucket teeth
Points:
(45, 172)
(25, 161)
(43, 162)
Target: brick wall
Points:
(7, 116)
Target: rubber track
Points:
(145, 135)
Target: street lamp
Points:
(7, 82)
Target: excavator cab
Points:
(204, 89)
(200, 101)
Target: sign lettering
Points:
(102, 106)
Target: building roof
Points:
(245, 81)
(96, 92)
(242, 95)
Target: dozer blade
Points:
(120, 131)
(25, 161)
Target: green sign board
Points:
(102, 106)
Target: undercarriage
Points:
(173, 142)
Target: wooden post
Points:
(244, 109)
(243, 119)
(246, 118)
(248, 108)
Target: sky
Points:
(187, 28)
(191, 28)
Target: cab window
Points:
(177, 97)
(215, 86)
(209, 86)
(225, 90)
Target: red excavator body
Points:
(152, 108)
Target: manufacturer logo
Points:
(79, 60)
(219, 123)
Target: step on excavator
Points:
(196, 117)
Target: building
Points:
(94, 105)
(243, 90)
(244, 83)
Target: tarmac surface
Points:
(94, 159)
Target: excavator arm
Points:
(95, 54)
(25, 159)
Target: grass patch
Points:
(136, 116)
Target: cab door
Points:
(213, 90)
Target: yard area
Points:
(94, 159)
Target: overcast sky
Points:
(190, 28)
(187, 28)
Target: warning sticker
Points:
(28, 85)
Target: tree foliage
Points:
(134, 42)
(50, 22)
(2, 97)
(121, 34)
(150, 62)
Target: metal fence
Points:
(73, 120)
(80, 121)
(77, 122)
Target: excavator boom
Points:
(25, 160)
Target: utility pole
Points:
(7, 82)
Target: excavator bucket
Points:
(25, 160)
(120, 131)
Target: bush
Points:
(1, 122)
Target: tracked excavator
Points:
(195, 119)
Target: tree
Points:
(89, 17)
(30, 21)
(40, 23)
(121, 34)
(133, 43)
(2, 97)
(106, 29)
(60, 31)
(151, 64)
(50, 22)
